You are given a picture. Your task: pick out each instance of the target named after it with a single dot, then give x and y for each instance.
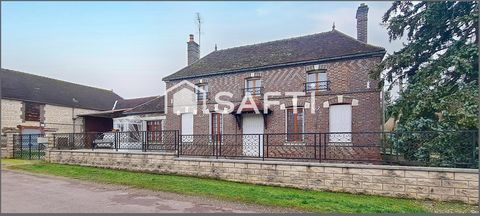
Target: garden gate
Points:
(29, 146)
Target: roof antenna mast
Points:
(198, 19)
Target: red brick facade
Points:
(349, 84)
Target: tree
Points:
(439, 67)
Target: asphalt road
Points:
(32, 193)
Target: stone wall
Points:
(56, 118)
(446, 184)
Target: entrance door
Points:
(187, 127)
(340, 123)
(154, 130)
(252, 124)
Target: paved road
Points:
(29, 193)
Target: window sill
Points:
(340, 144)
(294, 143)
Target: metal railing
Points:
(431, 148)
(131, 140)
(253, 91)
(317, 86)
(202, 96)
(426, 148)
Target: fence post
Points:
(259, 146)
(176, 143)
(115, 134)
(213, 147)
(73, 141)
(216, 147)
(266, 146)
(144, 144)
(220, 145)
(263, 147)
(20, 141)
(30, 146)
(178, 139)
(315, 148)
(474, 136)
(325, 143)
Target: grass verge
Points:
(306, 200)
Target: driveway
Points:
(32, 193)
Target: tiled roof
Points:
(133, 102)
(29, 87)
(153, 106)
(321, 46)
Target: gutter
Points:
(379, 53)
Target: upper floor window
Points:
(294, 124)
(202, 91)
(317, 81)
(253, 87)
(32, 111)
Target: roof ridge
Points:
(357, 39)
(58, 80)
(154, 96)
(273, 41)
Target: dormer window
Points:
(202, 92)
(317, 81)
(253, 87)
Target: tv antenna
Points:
(198, 19)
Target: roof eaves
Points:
(357, 55)
(54, 104)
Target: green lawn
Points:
(305, 200)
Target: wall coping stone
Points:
(115, 152)
(342, 165)
(288, 163)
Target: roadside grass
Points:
(12, 162)
(304, 200)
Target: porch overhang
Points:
(249, 109)
(105, 114)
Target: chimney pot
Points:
(362, 20)
(193, 51)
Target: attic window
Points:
(32, 111)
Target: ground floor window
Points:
(294, 124)
(216, 126)
(340, 123)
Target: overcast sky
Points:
(130, 46)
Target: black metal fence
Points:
(132, 140)
(428, 148)
(29, 146)
(432, 148)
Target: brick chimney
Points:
(362, 20)
(193, 50)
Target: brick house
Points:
(34, 104)
(332, 64)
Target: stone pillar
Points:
(9, 149)
(50, 146)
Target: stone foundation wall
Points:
(446, 184)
